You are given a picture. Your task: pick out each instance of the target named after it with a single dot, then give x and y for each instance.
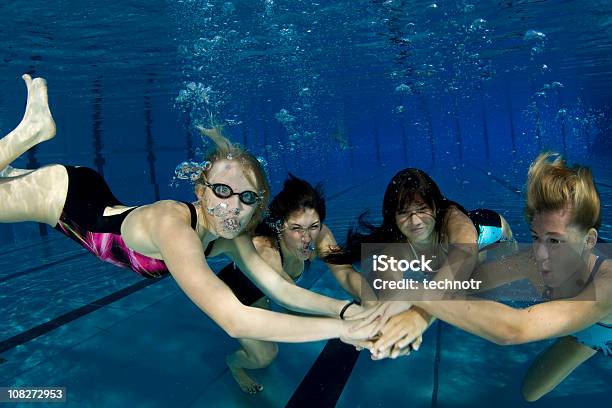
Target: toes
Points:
(254, 389)
(28, 80)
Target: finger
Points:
(395, 353)
(354, 312)
(417, 343)
(396, 349)
(359, 325)
(362, 344)
(357, 343)
(404, 352)
(381, 324)
(405, 341)
(379, 356)
(390, 336)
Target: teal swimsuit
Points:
(489, 226)
(598, 336)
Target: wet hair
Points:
(297, 194)
(251, 167)
(403, 189)
(552, 185)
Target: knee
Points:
(530, 394)
(265, 357)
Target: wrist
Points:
(342, 313)
(343, 329)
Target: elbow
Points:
(509, 335)
(237, 326)
(232, 329)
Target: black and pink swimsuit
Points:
(83, 220)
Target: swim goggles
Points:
(224, 191)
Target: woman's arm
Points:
(499, 272)
(182, 252)
(505, 325)
(462, 255)
(350, 280)
(288, 295)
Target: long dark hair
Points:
(297, 194)
(402, 189)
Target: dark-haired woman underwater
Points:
(416, 213)
(292, 235)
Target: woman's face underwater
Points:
(559, 247)
(416, 220)
(227, 217)
(300, 232)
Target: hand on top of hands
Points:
(387, 329)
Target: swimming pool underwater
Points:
(345, 92)
(73, 321)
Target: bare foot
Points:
(246, 383)
(37, 121)
(9, 171)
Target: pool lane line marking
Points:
(436, 367)
(40, 242)
(347, 189)
(57, 322)
(500, 181)
(41, 267)
(326, 379)
(513, 188)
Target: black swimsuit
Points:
(240, 284)
(84, 221)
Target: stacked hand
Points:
(389, 329)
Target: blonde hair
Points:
(552, 186)
(251, 167)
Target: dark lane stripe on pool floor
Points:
(59, 321)
(436, 378)
(325, 381)
(41, 267)
(33, 245)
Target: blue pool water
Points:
(343, 92)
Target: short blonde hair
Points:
(252, 169)
(552, 185)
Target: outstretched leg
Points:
(31, 195)
(553, 365)
(36, 126)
